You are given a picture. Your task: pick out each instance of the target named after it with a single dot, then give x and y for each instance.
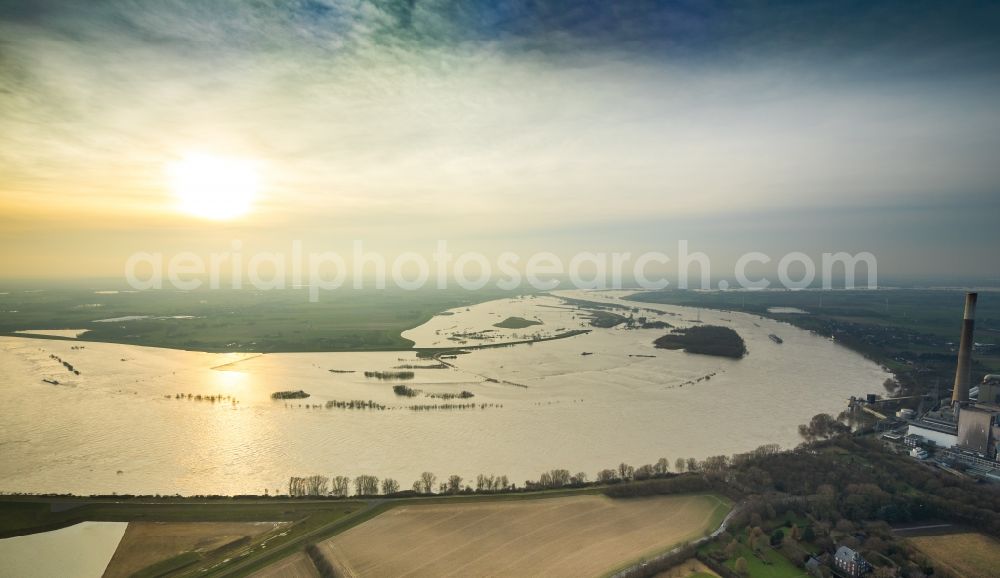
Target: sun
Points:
(214, 187)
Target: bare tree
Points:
(454, 484)
(317, 485)
(427, 480)
(559, 478)
(662, 466)
(607, 476)
(389, 486)
(625, 471)
(366, 485)
(579, 478)
(341, 486)
(716, 464)
(644, 472)
(297, 486)
(692, 464)
(680, 465)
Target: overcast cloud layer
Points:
(513, 125)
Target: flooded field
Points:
(151, 420)
(68, 333)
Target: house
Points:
(813, 566)
(850, 563)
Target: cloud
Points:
(482, 118)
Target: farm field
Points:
(147, 543)
(575, 536)
(967, 555)
(295, 566)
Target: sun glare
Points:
(214, 187)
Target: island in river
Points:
(705, 340)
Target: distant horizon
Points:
(943, 282)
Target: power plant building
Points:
(935, 429)
(989, 390)
(975, 432)
(969, 429)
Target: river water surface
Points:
(582, 403)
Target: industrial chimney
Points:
(963, 373)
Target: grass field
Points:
(310, 520)
(27, 516)
(773, 564)
(575, 536)
(967, 555)
(147, 543)
(235, 320)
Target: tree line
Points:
(427, 482)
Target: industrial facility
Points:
(964, 429)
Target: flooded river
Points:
(127, 423)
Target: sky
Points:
(524, 125)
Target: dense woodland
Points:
(835, 490)
(705, 340)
